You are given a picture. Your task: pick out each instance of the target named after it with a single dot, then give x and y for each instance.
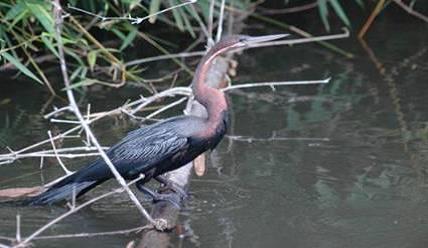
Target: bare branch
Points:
(173, 104)
(67, 172)
(18, 228)
(411, 11)
(134, 20)
(56, 111)
(272, 138)
(162, 57)
(210, 40)
(273, 84)
(343, 35)
(220, 21)
(288, 10)
(186, 91)
(89, 235)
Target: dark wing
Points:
(141, 149)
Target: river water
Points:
(336, 165)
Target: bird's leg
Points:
(170, 197)
(168, 184)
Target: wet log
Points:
(164, 209)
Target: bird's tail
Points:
(65, 189)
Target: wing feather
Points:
(138, 151)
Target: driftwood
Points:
(164, 209)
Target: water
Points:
(337, 165)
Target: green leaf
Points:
(177, 18)
(92, 58)
(15, 11)
(154, 8)
(119, 34)
(187, 22)
(204, 6)
(340, 12)
(72, 54)
(49, 44)
(21, 16)
(323, 9)
(129, 38)
(20, 66)
(360, 3)
(76, 73)
(43, 15)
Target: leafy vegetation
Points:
(26, 34)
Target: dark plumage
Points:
(152, 150)
(161, 147)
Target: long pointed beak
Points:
(250, 40)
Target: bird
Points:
(155, 149)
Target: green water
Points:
(337, 165)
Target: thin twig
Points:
(85, 235)
(343, 35)
(220, 21)
(210, 40)
(272, 138)
(377, 9)
(88, 113)
(273, 84)
(89, 235)
(62, 152)
(304, 7)
(200, 22)
(63, 121)
(67, 172)
(134, 20)
(411, 11)
(18, 228)
(56, 111)
(163, 57)
(173, 104)
(170, 92)
(41, 162)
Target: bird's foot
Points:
(173, 198)
(170, 185)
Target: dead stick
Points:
(371, 18)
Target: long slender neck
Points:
(212, 99)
